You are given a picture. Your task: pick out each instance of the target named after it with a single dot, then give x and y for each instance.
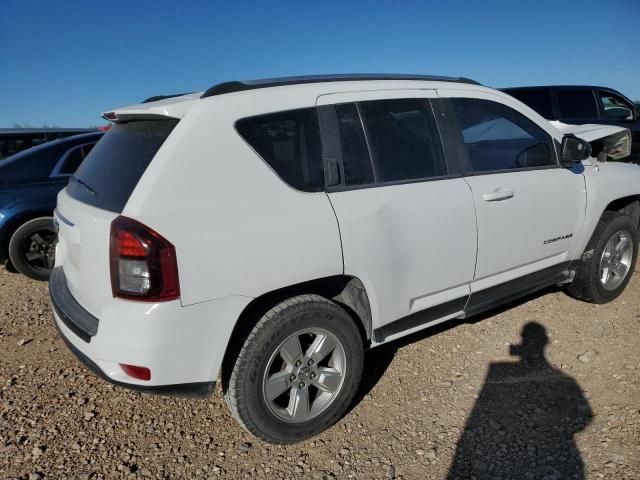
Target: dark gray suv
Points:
(577, 104)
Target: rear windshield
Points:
(112, 170)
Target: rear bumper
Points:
(67, 308)
(197, 390)
(183, 347)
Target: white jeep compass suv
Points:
(271, 231)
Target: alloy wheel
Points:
(39, 249)
(304, 375)
(616, 259)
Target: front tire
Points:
(32, 248)
(297, 372)
(613, 252)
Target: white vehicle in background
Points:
(271, 231)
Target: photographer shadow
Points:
(524, 422)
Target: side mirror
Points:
(574, 150)
(626, 115)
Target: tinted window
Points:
(577, 104)
(87, 148)
(403, 139)
(614, 107)
(71, 162)
(73, 159)
(290, 143)
(355, 155)
(537, 99)
(112, 170)
(500, 138)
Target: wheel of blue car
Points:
(32, 248)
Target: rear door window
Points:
(289, 142)
(110, 173)
(403, 139)
(577, 104)
(355, 155)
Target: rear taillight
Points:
(143, 263)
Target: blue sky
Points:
(64, 62)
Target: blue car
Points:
(29, 183)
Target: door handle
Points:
(498, 195)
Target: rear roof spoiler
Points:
(155, 108)
(164, 97)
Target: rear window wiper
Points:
(84, 185)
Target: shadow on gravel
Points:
(524, 421)
(377, 361)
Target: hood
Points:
(588, 132)
(608, 141)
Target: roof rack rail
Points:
(164, 97)
(239, 86)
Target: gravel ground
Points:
(450, 403)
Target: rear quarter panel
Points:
(237, 227)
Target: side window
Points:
(498, 137)
(86, 149)
(576, 104)
(614, 107)
(355, 155)
(403, 139)
(539, 99)
(72, 160)
(290, 143)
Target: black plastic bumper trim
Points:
(191, 390)
(71, 313)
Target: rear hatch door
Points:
(96, 194)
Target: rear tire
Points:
(297, 372)
(613, 252)
(32, 248)
(9, 266)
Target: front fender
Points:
(605, 183)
